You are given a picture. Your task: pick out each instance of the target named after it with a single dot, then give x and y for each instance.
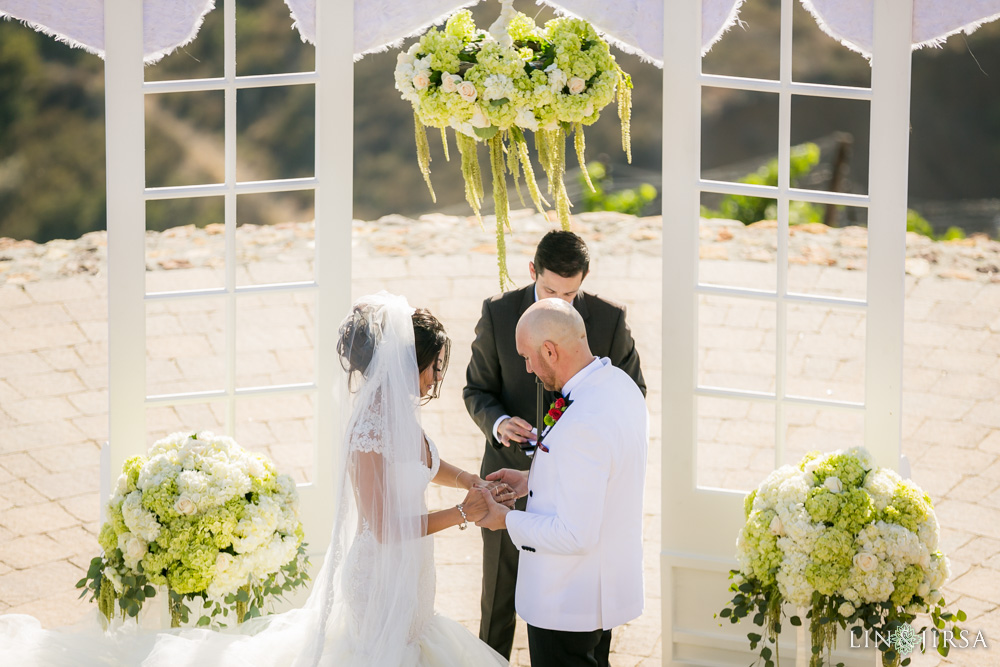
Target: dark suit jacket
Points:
(497, 383)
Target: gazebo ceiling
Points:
(633, 25)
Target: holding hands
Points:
(496, 513)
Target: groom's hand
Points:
(514, 430)
(496, 515)
(515, 479)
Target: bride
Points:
(372, 603)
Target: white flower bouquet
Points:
(208, 520)
(854, 544)
(494, 86)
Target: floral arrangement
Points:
(854, 544)
(208, 520)
(495, 86)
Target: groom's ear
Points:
(551, 351)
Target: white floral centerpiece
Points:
(495, 86)
(854, 544)
(208, 520)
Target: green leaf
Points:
(795, 620)
(726, 613)
(765, 653)
(486, 132)
(242, 595)
(204, 620)
(500, 102)
(150, 591)
(753, 636)
(962, 616)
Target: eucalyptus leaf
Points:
(486, 132)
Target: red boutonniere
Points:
(556, 411)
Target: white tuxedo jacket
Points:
(581, 536)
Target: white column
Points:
(126, 175)
(681, 169)
(887, 186)
(334, 214)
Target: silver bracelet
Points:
(465, 519)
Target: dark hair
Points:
(429, 338)
(563, 253)
(357, 343)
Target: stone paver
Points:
(53, 381)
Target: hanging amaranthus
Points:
(501, 205)
(580, 144)
(625, 111)
(423, 154)
(471, 174)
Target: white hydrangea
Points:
(498, 87)
(880, 485)
(791, 576)
(139, 521)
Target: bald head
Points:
(552, 339)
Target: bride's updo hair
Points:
(357, 341)
(429, 338)
(359, 335)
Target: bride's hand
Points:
(475, 505)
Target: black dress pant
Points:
(556, 648)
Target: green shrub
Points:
(631, 200)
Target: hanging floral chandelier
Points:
(498, 85)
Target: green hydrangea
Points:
(844, 467)
(908, 507)
(856, 510)
(762, 546)
(831, 563)
(906, 584)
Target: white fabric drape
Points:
(635, 26)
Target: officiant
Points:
(506, 402)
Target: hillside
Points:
(52, 123)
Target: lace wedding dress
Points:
(372, 602)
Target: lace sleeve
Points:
(367, 435)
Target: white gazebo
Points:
(674, 34)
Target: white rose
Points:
(404, 58)
(135, 549)
(468, 91)
(223, 561)
(422, 79)
(557, 78)
(526, 118)
(479, 118)
(925, 559)
(865, 561)
(551, 125)
(449, 82)
(576, 85)
(833, 484)
(846, 610)
(923, 590)
(934, 597)
(185, 505)
(589, 109)
(777, 528)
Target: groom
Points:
(503, 399)
(580, 571)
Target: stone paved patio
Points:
(53, 386)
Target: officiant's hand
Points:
(514, 430)
(515, 479)
(496, 515)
